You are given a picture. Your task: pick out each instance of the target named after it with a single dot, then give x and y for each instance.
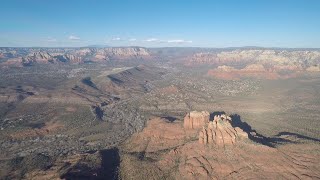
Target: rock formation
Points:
(164, 150)
(122, 53)
(220, 132)
(279, 57)
(195, 119)
(30, 56)
(45, 57)
(255, 71)
(315, 68)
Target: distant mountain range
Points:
(31, 56)
(268, 58)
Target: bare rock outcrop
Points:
(315, 68)
(220, 132)
(255, 71)
(195, 119)
(30, 56)
(262, 56)
(164, 150)
(122, 53)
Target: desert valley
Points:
(159, 113)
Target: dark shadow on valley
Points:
(87, 81)
(98, 112)
(299, 136)
(110, 161)
(216, 113)
(110, 164)
(268, 141)
(169, 118)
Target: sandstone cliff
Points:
(220, 132)
(164, 150)
(314, 68)
(275, 57)
(122, 53)
(255, 71)
(195, 119)
(30, 56)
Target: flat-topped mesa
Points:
(196, 120)
(220, 132)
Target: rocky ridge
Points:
(257, 56)
(257, 71)
(73, 56)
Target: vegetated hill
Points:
(128, 82)
(119, 82)
(138, 76)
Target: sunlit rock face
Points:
(72, 56)
(220, 132)
(195, 119)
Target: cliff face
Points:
(256, 56)
(122, 53)
(220, 132)
(81, 55)
(133, 51)
(165, 150)
(263, 64)
(195, 119)
(255, 71)
(314, 68)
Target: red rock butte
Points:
(219, 151)
(220, 132)
(196, 120)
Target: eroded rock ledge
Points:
(171, 150)
(220, 132)
(195, 119)
(216, 131)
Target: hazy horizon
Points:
(159, 47)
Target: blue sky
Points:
(159, 23)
